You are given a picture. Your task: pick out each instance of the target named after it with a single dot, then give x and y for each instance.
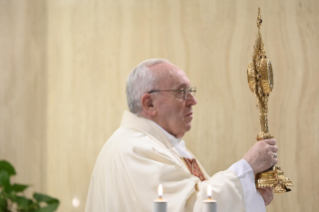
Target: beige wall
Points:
(64, 64)
(23, 89)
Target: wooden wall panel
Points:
(23, 90)
(91, 46)
(85, 93)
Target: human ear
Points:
(148, 104)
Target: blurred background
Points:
(64, 63)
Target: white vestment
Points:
(139, 156)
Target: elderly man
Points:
(148, 150)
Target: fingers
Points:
(270, 141)
(261, 156)
(267, 195)
(273, 148)
(267, 190)
(271, 154)
(270, 144)
(270, 195)
(273, 161)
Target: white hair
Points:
(141, 80)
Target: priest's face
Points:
(173, 112)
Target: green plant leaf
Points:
(3, 204)
(23, 202)
(11, 196)
(50, 208)
(9, 193)
(44, 198)
(5, 181)
(4, 165)
(52, 202)
(19, 187)
(4, 178)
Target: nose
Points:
(191, 100)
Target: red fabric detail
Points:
(194, 168)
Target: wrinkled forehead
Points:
(169, 76)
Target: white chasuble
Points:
(137, 158)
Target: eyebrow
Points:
(182, 85)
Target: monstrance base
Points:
(273, 179)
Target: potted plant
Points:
(12, 198)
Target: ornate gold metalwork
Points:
(261, 82)
(274, 178)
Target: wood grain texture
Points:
(23, 90)
(87, 49)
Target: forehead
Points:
(170, 76)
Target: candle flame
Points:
(160, 190)
(209, 191)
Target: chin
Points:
(188, 127)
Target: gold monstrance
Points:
(261, 82)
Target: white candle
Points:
(209, 205)
(160, 205)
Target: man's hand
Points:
(267, 195)
(261, 155)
